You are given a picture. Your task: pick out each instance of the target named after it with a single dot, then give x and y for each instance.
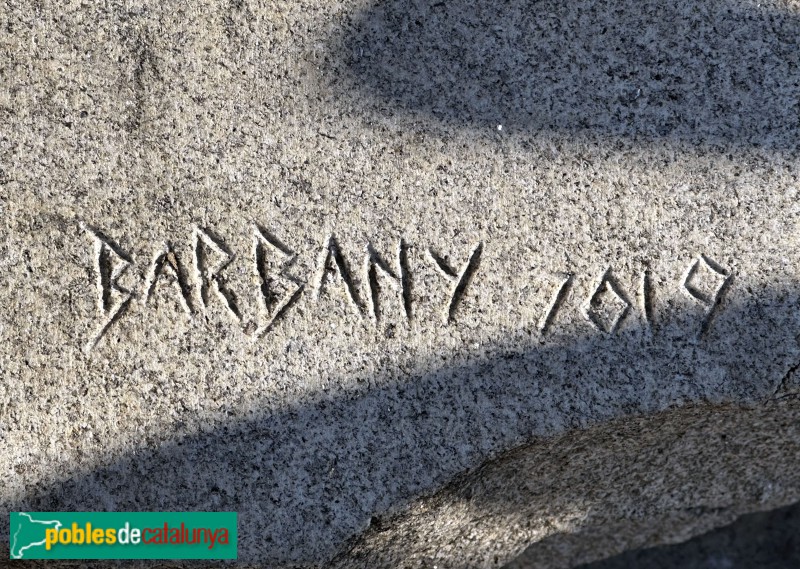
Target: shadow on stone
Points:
(704, 71)
(623, 485)
(767, 540)
(308, 476)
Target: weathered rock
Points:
(590, 494)
(313, 261)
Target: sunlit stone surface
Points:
(317, 262)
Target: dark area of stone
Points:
(763, 540)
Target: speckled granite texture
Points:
(594, 493)
(768, 540)
(317, 262)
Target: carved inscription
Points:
(646, 294)
(605, 306)
(278, 289)
(459, 280)
(210, 259)
(706, 282)
(399, 278)
(112, 299)
(166, 262)
(331, 262)
(556, 301)
(273, 304)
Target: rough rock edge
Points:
(638, 482)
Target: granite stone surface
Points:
(613, 490)
(328, 264)
(764, 539)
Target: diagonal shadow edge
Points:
(761, 539)
(618, 478)
(717, 72)
(308, 477)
